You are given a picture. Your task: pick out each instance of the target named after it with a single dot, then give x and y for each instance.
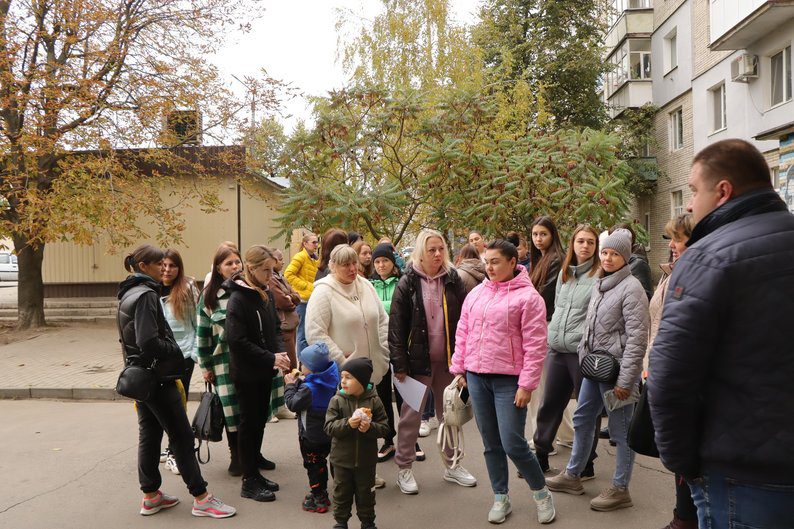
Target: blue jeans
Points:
(501, 426)
(301, 310)
(725, 503)
(590, 404)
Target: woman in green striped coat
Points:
(213, 351)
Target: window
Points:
(676, 129)
(677, 201)
(640, 59)
(671, 51)
(717, 96)
(619, 6)
(781, 76)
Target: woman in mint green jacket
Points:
(385, 279)
(574, 287)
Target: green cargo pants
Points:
(354, 482)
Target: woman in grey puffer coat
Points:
(617, 322)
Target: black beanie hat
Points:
(360, 368)
(386, 250)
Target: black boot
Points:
(269, 485)
(254, 488)
(543, 459)
(340, 525)
(368, 525)
(234, 465)
(265, 464)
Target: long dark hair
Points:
(216, 279)
(539, 263)
(331, 239)
(570, 257)
(181, 298)
(365, 271)
(145, 253)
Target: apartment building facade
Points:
(715, 69)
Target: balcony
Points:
(737, 24)
(631, 94)
(631, 23)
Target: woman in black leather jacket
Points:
(147, 341)
(256, 350)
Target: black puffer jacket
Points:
(408, 341)
(722, 364)
(640, 269)
(253, 332)
(144, 333)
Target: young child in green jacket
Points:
(355, 420)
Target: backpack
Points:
(457, 412)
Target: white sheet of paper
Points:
(412, 392)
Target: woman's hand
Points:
(462, 382)
(621, 393)
(209, 376)
(400, 376)
(282, 362)
(522, 398)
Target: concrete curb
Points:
(70, 394)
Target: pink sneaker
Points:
(212, 507)
(153, 505)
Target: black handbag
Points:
(641, 431)
(136, 382)
(600, 366)
(208, 421)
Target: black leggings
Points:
(384, 392)
(563, 377)
(254, 401)
(684, 505)
(164, 411)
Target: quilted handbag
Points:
(600, 366)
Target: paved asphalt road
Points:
(73, 465)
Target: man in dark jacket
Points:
(722, 365)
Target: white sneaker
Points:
(273, 419)
(501, 508)
(170, 464)
(379, 482)
(164, 455)
(406, 481)
(545, 505)
(424, 429)
(433, 422)
(461, 476)
(284, 413)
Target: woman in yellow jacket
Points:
(300, 274)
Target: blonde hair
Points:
(342, 255)
(307, 236)
(680, 226)
(421, 248)
(255, 257)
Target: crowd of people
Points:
(525, 325)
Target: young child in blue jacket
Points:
(309, 396)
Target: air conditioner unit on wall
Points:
(744, 67)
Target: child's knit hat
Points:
(360, 368)
(316, 357)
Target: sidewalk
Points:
(74, 361)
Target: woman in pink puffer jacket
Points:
(500, 347)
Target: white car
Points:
(9, 269)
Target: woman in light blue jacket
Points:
(563, 376)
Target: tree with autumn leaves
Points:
(85, 87)
(469, 140)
